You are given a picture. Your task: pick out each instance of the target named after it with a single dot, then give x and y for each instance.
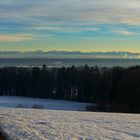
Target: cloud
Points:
(90, 38)
(66, 29)
(100, 12)
(123, 32)
(85, 19)
(15, 38)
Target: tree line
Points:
(114, 89)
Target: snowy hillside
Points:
(57, 123)
(27, 124)
(12, 102)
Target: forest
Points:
(115, 89)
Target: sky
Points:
(70, 25)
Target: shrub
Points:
(37, 106)
(92, 107)
(20, 105)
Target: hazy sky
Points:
(84, 25)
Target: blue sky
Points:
(83, 25)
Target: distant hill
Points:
(67, 54)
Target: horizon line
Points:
(80, 51)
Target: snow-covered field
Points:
(12, 102)
(44, 124)
(68, 125)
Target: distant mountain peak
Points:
(67, 54)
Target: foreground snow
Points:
(53, 123)
(68, 125)
(12, 102)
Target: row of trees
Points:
(113, 89)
